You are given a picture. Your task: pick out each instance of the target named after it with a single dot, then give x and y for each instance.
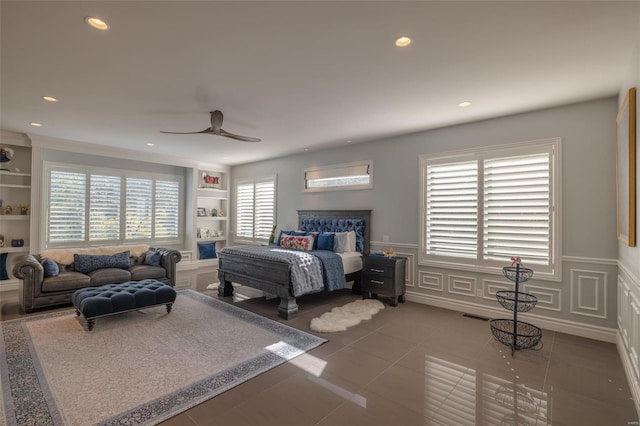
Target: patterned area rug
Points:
(138, 367)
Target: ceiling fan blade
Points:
(209, 130)
(238, 137)
(216, 119)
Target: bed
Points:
(256, 267)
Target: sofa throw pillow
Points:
(325, 241)
(297, 242)
(50, 267)
(152, 258)
(86, 263)
(207, 250)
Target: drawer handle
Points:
(376, 270)
(377, 282)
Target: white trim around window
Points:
(479, 207)
(87, 206)
(255, 209)
(339, 177)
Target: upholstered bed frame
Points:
(274, 277)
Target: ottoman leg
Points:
(90, 323)
(169, 306)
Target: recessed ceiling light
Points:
(96, 23)
(50, 99)
(464, 104)
(349, 141)
(306, 149)
(403, 41)
(151, 144)
(36, 124)
(225, 158)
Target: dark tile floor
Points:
(418, 365)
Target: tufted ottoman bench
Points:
(94, 302)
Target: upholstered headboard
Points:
(338, 221)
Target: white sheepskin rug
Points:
(343, 317)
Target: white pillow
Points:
(340, 242)
(351, 241)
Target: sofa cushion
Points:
(143, 272)
(65, 281)
(153, 258)
(109, 276)
(50, 267)
(86, 263)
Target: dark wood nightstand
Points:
(384, 276)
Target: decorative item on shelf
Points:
(388, 252)
(6, 155)
(201, 211)
(210, 180)
(1, 240)
(214, 233)
(7, 209)
(1, 202)
(272, 236)
(24, 209)
(17, 243)
(220, 213)
(511, 332)
(214, 212)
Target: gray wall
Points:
(588, 173)
(586, 295)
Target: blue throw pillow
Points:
(325, 242)
(207, 250)
(86, 263)
(50, 267)
(152, 258)
(280, 236)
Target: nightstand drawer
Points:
(378, 269)
(375, 283)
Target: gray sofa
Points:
(37, 290)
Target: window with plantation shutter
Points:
(255, 209)
(481, 207)
(67, 207)
(139, 208)
(356, 175)
(167, 220)
(88, 206)
(104, 208)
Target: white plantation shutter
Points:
(517, 208)
(244, 210)
(109, 206)
(255, 209)
(104, 208)
(264, 209)
(67, 206)
(167, 208)
(139, 209)
(480, 207)
(452, 209)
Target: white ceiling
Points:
(297, 74)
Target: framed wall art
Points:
(626, 169)
(210, 180)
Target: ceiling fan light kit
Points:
(216, 129)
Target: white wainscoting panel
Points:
(462, 285)
(430, 280)
(548, 298)
(589, 293)
(491, 287)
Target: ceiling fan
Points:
(216, 129)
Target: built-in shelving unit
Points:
(15, 191)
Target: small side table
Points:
(384, 276)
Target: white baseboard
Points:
(584, 330)
(628, 370)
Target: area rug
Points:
(139, 367)
(343, 317)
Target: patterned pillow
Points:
(297, 242)
(50, 267)
(152, 258)
(86, 263)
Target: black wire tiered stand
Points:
(511, 332)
